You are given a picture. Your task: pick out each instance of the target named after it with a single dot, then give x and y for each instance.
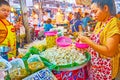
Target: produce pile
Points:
(63, 56)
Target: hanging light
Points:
(12, 9)
(36, 6)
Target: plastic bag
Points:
(40, 47)
(35, 63)
(51, 38)
(25, 58)
(4, 64)
(18, 71)
(34, 50)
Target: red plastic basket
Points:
(63, 41)
(50, 33)
(81, 45)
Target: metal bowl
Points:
(4, 49)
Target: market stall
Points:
(54, 58)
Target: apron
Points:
(101, 68)
(10, 40)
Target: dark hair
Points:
(34, 11)
(86, 13)
(109, 3)
(49, 21)
(70, 13)
(3, 2)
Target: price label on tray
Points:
(44, 74)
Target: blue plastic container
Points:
(3, 52)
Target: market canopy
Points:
(83, 2)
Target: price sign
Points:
(44, 74)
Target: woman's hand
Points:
(83, 39)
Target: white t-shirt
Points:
(35, 19)
(45, 17)
(59, 18)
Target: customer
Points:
(104, 41)
(34, 17)
(20, 32)
(85, 21)
(48, 25)
(70, 16)
(59, 17)
(7, 31)
(76, 24)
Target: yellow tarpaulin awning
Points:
(83, 2)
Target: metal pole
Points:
(25, 20)
(40, 10)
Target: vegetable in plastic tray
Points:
(18, 70)
(4, 64)
(35, 63)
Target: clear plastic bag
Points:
(18, 71)
(35, 63)
(4, 64)
(51, 38)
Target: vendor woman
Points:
(7, 31)
(104, 41)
